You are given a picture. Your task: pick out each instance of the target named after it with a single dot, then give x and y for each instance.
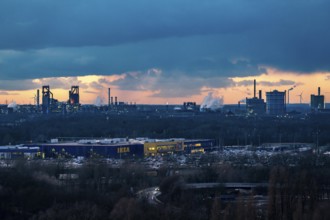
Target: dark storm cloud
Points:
(17, 85)
(281, 82)
(164, 86)
(54, 83)
(227, 38)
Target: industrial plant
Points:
(317, 101)
(276, 103)
(255, 105)
(48, 104)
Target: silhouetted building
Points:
(46, 99)
(74, 95)
(189, 106)
(317, 101)
(49, 104)
(276, 104)
(255, 105)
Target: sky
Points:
(158, 52)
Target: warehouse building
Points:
(19, 151)
(92, 150)
(122, 147)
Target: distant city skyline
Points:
(158, 52)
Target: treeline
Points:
(293, 193)
(227, 130)
(36, 190)
(52, 190)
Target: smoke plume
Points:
(211, 103)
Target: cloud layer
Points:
(192, 42)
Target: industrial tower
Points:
(47, 97)
(74, 95)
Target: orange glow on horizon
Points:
(305, 83)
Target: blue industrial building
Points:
(15, 152)
(116, 148)
(92, 150)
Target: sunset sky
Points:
(158, 52)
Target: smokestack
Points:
(111, 100)
(38, 98)
(254, 94)
(116, 103)
(319, 91)
(109, 97)
(239, 104)
(260, 94)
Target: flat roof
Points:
(115, 142)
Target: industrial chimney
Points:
(109, 97)
(38, 98)
(319, 91)
(260, 94)
(254, 94)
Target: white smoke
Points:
(211, 103)
(12, 105)
(98, 101)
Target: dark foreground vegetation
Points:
(96, 190)
(297, 187)
(230, 130)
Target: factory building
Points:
(122, 148)
(15, 152)
(49, 104)
(276, 104)
(190, 106)
(156, 147)
(73, 102)
(92, 150)
(74, 95)
(255, 105)
(317, 101)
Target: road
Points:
(150, 194)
